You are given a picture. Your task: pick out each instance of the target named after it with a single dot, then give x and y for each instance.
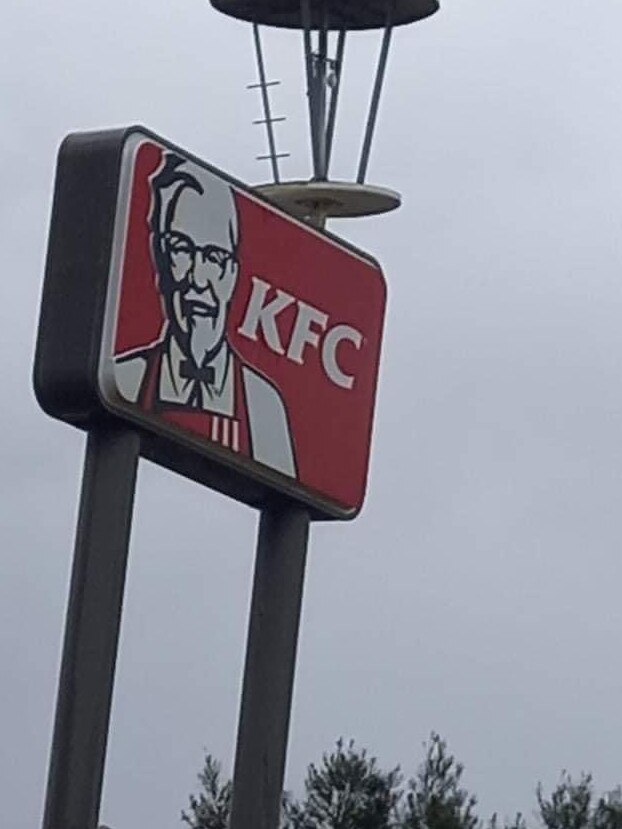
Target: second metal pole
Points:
(269, 669)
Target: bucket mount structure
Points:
(326, 23)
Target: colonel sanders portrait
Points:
(191, 375)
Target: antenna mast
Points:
(268, 120)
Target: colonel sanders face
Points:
(194, 236)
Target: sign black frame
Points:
(73, 312)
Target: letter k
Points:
(260, 313)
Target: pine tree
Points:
(435, 798)
(568, 807)
(608, 811)
(212, 808)
(346, 791)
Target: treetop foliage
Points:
(435, 798)
(568, 807)
(212, 807)
(349, 790)
(346, 791)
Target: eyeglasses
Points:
(183, 253)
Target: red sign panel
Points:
(241, 327)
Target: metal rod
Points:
(375, 99)
(305, 13)
(266, 157)
(332, 111)
(321, 88)
(272, 120)
(92, 630)
(266, 104)
(269, 669)
(259, 85)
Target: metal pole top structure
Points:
(332, 14)
(324, 25)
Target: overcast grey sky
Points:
(478, 594)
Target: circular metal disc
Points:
(330, 199)
(341, 14)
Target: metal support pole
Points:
(334, 96)
(269, 668)
(92, 630)
(317, 218)
(321, 89)
(266, 105)
(375, 98)
(310, 68)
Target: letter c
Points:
(332, 340)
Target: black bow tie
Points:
(189, 371)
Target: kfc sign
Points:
(241, 342)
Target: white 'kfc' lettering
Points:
(311, 328)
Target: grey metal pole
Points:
(312, 88)
(92, 630)
(332, 111)
(375, 98)
(321, 89)
(269, 669)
